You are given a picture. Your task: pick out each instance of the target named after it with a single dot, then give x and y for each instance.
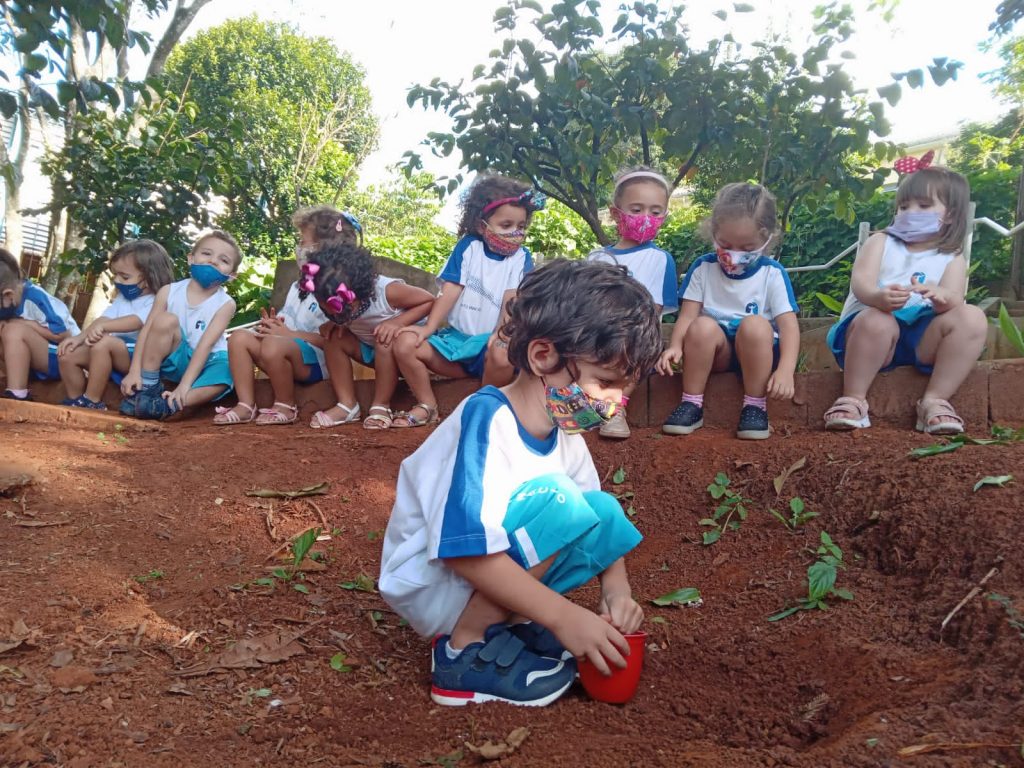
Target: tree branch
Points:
(183, 17)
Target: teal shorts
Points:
(311, 359)
(215, 373)
(587, 529)
(467, 351)
(366, 353)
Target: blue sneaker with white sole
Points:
(500, 668)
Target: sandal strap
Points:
(847, 404)
(935, 408)
(379, 410)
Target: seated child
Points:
(479, 277)
(499, 513)
(365, 311)
(104, 349)
(183, 338)
(32, 323)
(738, 313)
(639, 206)
(906, 305)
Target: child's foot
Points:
(498, 669)
(686, 418)
(847, 413)
(10, 394)
(150, 403)
(281, 413)
(84, 402)
(937, 417)
(380, 417)
(420, 415)
(753, 424)
(334, 416)
(242, 413)
(616, 427)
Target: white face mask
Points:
(735, 262)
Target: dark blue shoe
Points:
(686, 418)
(498, 669)
(85, 402)
(753, 424)
(8, 395)
(150, 403)
(540, 640)
(128, 405)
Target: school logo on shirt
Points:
(313, 306)
(200, 325)
(752, 308)
(918, 278)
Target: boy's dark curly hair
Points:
(10, 270)
(590, 311)
(342, 263)
(486, 189)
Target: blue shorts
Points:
(311, 359)
(468, 351)
(52, 372)
(366, 353)
(216, 371)
(734, 363)
(116, 376)
(912, 324)
(588, 530)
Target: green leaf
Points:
(710, 537)
(843, 594)
(779, 516)
(787, 612)
(821, 577)
(679, 597)
(831, 304)
(1010, 329)
(301, 588)
(361, 583)
(935, 450)
(658, 620)
(619, 477)
(302, 543)
(338, 663)
(796, 504)
(997, 480)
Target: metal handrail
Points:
(820, 267)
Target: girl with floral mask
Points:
(459, 338)
(639, 206)
(906, 303)
(738, 313)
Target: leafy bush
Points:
(427, 252)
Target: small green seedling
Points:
(799, 515)
(374, 535)
(338, 663)
(999, 481)
(1013, 616)
(151, 576)
(620, 476)
(821, 580)
(730, 504)
(684, 596)
(361, 583)
(301, 545)
(255, 693)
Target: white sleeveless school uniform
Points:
(378, 311)
(122, 307)
(195, 319)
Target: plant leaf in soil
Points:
(999, 481)
(730, 505)
(684, 596)
(821, 580)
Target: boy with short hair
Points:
(184, 339)
(500, 512)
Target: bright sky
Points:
(400, 42)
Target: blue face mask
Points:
(207, 275)
(130, 292)
(916, 226)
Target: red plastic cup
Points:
(620, 686)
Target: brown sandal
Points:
(934, 408)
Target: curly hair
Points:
(486, 189)
(10, 270)
(590, 311)
(328, 225)
(744, 200)
(149, 258)
(342, 263)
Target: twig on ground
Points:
(975, 591)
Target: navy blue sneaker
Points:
(498, 669)
(753, 424)
(540, 640)
(686, 418)
(85, 402)
(150, 403)
(9, 395)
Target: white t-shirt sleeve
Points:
(694, 282)
(780, 293)
(580, 464)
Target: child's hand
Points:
(621, 611)
(176, 398)
(781, 386)
(272, 328)
(671, 356)
(420, 332)
(934, 292)
(585, 634)
(892, 297)
(131, 383)
(386, 332)
(69, 345)
(94, 334)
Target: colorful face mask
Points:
(130, 292)
(207, 275)
(503, 244)
(638, 227)
(573, 411)
(739, 262)
(915, 227)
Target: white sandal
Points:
(272, 416)
(934, 408)
(226, 416)
(380, 417)
(321, 420)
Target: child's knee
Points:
(404, 346)
(605, 506)
(703, 330)
(165, 323)
(972, 318)
(875, 322)
(755, 328)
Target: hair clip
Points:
(309, 271)
(352, 220)
(910, 164)
(342, 296)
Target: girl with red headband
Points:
(480, 276)
(906, 304)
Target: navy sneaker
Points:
(8, 395)
(686, 418)
(498, 669)
(540, 640)
(85, 402)
(753, 424)
(150, 403)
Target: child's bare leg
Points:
(754, 341)
(24, 351)
(870, 343)
(282, 360)
(480, 612)
(203, 395)
(72, 371)
(385, 375)
(705, 348)
(244, 354)
(338, 354)
(164, 337)
(498, 371)
(952, 344)
(108, 353)
(416, 363)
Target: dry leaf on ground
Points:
(490, 750)
(20, 637)
(249, 653)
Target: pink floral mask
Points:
(639, 227)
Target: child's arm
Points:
(689, 312)
(864, 280)
(505, 583)
(780, 384)
(617, 604)
(443, 304)
(416, 302)
(46, 333)
(97, 329)
(177, 397)
(132, 381)
(949, 292)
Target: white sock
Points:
(451, 652)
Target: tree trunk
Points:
(13, 180)
(183, 17)
(100, 298)
(1015, 289)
